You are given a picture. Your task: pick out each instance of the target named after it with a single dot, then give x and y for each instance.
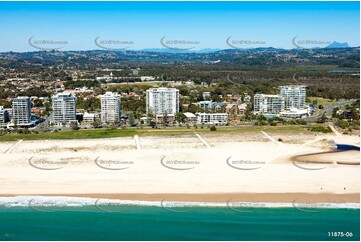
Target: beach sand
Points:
(247, 167)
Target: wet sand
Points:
(221, 197)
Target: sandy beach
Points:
(252, 167)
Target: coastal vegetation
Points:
(147, 131)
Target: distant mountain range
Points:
(338, 45)
(166, 50)
(336, 55)
(203, 51)
(333, 45)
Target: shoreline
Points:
(56, 203)
(212, 198)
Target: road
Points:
(44, 125)
(328, 110)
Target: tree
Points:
(47, 108)
(74, 126)
(273, 123)
(216, 98)
(96, 124)
(193, 108)
(322, 119)
(37, 103)
(180, 117)
(131, 119)
(248, 115)
(261, 118)
(213, 128)
(165, 118)
(150, 113)
(334, 112)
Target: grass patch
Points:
(324, 101)
(80, 134)
(321, 129)
(111, 133)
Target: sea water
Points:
(177, 223)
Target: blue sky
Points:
(145, 23)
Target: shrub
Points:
(213, 128)
(262, 123)
(322, 129)
(273, 124)
(74, 126)
(343, 124)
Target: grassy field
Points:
(109, 133)
(325, 102)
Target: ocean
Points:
(178, 223)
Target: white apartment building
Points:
(212, 118)
(110, 107)
(268, 104)
(64, 108)
(294, 95)
(162, 100)
(21, 113)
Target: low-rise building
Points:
(212, 118)
(147, 78)
(206, 95)
(210, 105)
(242, 108)
(90, 118)
(233, 108)
(247, 97)
(190, 117)
(294, 113)
(159, 118)
(206, 104)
